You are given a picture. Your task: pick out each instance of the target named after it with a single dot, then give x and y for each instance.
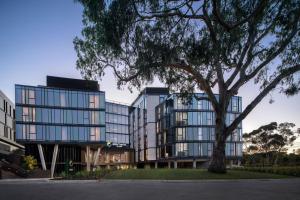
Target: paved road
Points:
(152, 190)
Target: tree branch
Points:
(226, 25)
(200, 79)
(271, 57)
(167, 13)
(285, 73)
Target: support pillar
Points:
(194, 164)
(40, 148)
(169, 164)
(88, 163)
(155, 165)
(53, 163)
(175, 164)
(96, 159)
(231, 163)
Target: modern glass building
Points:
(70, 120)
(49, 114)
(117, 124)
(7, 126)
(142, 124)
(67, 113)
(186, 130)
(117, 152)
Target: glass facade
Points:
(142, 123)
(55, 114)
(187, 129)
(117, 124)
(156, 126)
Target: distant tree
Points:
(195, 45)
(258, 140)
(271, 138)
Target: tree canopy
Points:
(272, 137)
(209, 45)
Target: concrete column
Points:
(175, 164)
(53, 163)
(156, 164)
(194, 164)
(88, 163)
(239, 162)
(108, 166)
(42, 157)
(169, 164)
(96, 159)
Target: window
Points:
(95, 134)
(200, 104)
(209, 149)
(29, 132)
(94, 117)
(25, 114)
(62, 99)
(181, 118)
(234, 102)
(74, 99)
(31, 97)
(56, 98)
(180, 132)
(200, 135)
(28, 114)
(213, 134)
(181, 149)
(93, 101)
(209, 118)
(28, 96)
(86, 117)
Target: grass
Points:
(187, 174)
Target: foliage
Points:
(97, 174)
(259, 159)
(195, 45)
(271, 138)
(30, 163)
(290, 171)
(185, 174)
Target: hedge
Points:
(290, 171)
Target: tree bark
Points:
(218, 159)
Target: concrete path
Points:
(152, 190)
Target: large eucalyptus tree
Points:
(207, 45)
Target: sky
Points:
(36, 40)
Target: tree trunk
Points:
(218, 159)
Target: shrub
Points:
(97, 174)
(30, 163)
(290, 171)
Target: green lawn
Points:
(187, 174)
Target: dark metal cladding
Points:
(156, 90)
(71, 83)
